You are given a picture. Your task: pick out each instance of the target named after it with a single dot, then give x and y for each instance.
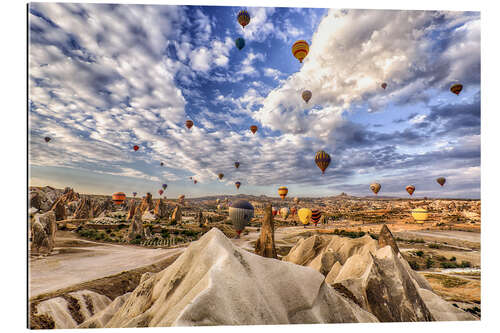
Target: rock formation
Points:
(131, 210)
(100, 319)
(216, 283)
(385, 238)
(136, 228)
(265, 244)
(72, 309)
(146, 203)
(43, 233)
(83, 209)
(161, 209)
(59, 206)
(176, 215)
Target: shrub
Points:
(135, 241)
(112, 234)
(419, 253)
(434, 246)
(453, 258)
(465, 264)
(414, 265)
(429, 262)
(108, 231)
(121, 226)
(138, 237)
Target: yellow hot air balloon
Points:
(305, 215)
(306, 95)
(283, 191)
(300, 49)
(420, 215)
(375, 187)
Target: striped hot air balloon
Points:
(118, 198)
(456, 88)
(283, 191)
(189, 123)
(322, 160)
(306, 95)
(253, 128)
(420, 215)
(315, 216)
(410, 189)
(240, 213)
(243, 18)
(300, 49)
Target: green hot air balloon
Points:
(240, 213)
(240, 43)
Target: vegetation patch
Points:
(447, 281)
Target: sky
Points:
(103, 78)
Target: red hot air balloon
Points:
(136, 148)
(315, 216)
(253, 128)
(189, 124)
(195, 181)
(160, 192)
(384, 85)
(275, 211)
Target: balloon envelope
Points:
(315, 215)
(441, 181)
(253, 128)
(306, 95)
(160, 192)
(300, 49)
(164, 186)
(189, 124)
(240, 213)
(304, 215)
(118, 198)
(410, 189)
(384, 85)
(221, 175)
(136, 147)
(243, 18)
(420, 215)
(47, 139)
(240, 43)
(134, 193)
(456, 88)
(283, 191)
(322, 160)
(375, 187)
(237, 164)
(284, 212)
(238, 184)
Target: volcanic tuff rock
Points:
(43, 232)
(74, 308)
(100, 319)
(161, 209)
(146, 203)
(176, 215)
(386, 238)
(216, 283)
(136, 228)
(265, 243)
(131, 210)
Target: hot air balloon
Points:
(118, 198)
(296, 200)
(456, 88)
(300, 49)
(441, 181)
(191, 178)
(238, 184)
(274, 211)
(164, 186)
(240, 213)
(47, 139)
(195, 181)
(410, 189)
(160, 192)
(283, 191)
(322, 160)
(240, 43)
(136, 147)
(189, 123)
(217, 201)
(243, 18)
(134, 194)
(219, 207)
(221, 175)
(375, 187)
(161, 163)
(384, 85)
(315, 216)
(237, 165)
(304, 215)
(284, 212)
(420, 215)
(306, 95)
(253, 128)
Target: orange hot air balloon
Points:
(384, 85)
(253, 128)
(189, 124)
(118, 198)
(375, 187)
(410, 189)
(322, 160)
(300, 49)
(136, 147)
(283, 191)
(456, 88)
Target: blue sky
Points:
(103, 78)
